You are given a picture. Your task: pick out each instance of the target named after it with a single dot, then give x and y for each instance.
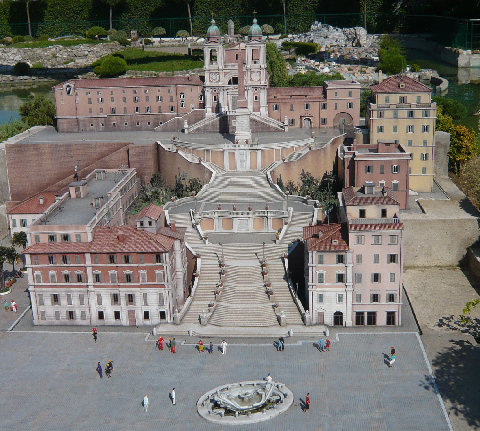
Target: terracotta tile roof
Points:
(280, 92)
(178, 233)
(117, 239)
(32, 205)
(375, 226)
(134, 82)
(351, 198)
(393, 85)
(326, 237)
(151, 211)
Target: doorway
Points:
(307, 123)
(320, 317)
(132, 321)
(338, 318)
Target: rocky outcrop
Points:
(57, 56)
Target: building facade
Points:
(401, 110)
(123, 276)
(380, 164)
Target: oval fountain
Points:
(245, 402)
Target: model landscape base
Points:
(245, 402)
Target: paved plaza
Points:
(49, 382)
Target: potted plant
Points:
(234, 207)
(266, 207)
(219, 207)
(249, 208)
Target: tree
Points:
(112, 4)
(38, 111)
(284, 16)
(301, 14)
(11, 256)
(159, 32)
(267, 29)
(4, 18)
(463, 146)
(451, 107)
(111, 67)
(96, 32)
(182, 33)
(20, 239)
(276, 67)
(189, 15)
(65, 17)
(3, 258)
(391, 56)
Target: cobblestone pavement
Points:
(49, 382)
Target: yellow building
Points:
(402, 110)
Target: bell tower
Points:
(214, 58)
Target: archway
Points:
(307, 123)
(343, 120)
(338, 318)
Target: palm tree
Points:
(112, 3)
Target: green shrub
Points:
(415, 67)
(267, 29)
(96, 32)
(120, 36)
(147, 41)
(38, 111)
(29, 38)
(6, 41)
(451, 107)
(300, 48)
(21, 68)
(159, 32)
(118, 54)
(37, 66)
(182, 33)
(111, 67)
(43, 37)
(391, 55)
(17, 39)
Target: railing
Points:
(204, 122)
(253, 213)
(373, 220)
(269, 121)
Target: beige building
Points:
(401, 110)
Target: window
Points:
(146, 315)
(141, 258)
(69, 299)
(125, 124)
(95, 259)
(65, 259)
(42, 315)
(392, 258)
(291, 121)
(419, 99)
(410, 129)
(115, 299)
(130, 299)
(66, 277)
(128, 277)
(402, 99)
(145, 298)
(55, 299)
(376, 277)
(161, 299)
(255, 97)
(371, 317)
(143, 276)
(77, 258)
(425, 128)
(379, 114)
(112, 258)
(349, 94)
(148, 109)
(81, 298)
(390, 318)
(374, 297)
(78, 237)
(324, 106)
(97, 277)
(38, 277)
(377, 239)
(307, 106)
(376, 258)
(395, 114)
(340, 277)
(384, 212)
(425, 113)
(409, 142)
(159, 277)
(323, 121)
(114, 124)
(410, 114)
(358, 277)
(159, 258)
(394, 129)
(349, 105)
(126, 258)
(425, 143)
(101, 316)
(113, 277)
(424, 156)
(394, 186)
(52, 276)
(113, 110)
(393, 239)
(395, 169)
(99, 299)
(369, 169)
(360, 239)
(381, 183)
(340, 298)
(358, 258)
(276, 107)
(340, 258)
(89, 101)
(57, 315)
(116, 315)
(390, 297)
(320, 298)
(320, 259)
(172, 108)
(52, 238)
(79, 277)
(37, 238)
(320, 277)
(291, 107)
(424, 171)
(358, 297)
(23, 222)
(100, 100)
(382, 169)
(336, 106)
(359, 318)
(379, 129)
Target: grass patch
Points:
(47, 43)
(137, 59)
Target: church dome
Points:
(255, 29)
(213, 30)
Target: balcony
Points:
(373, 220)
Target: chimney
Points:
(380, 76)
(121, 237)
(41, 200)
(173, 227)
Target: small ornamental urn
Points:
(266, 207)
(234, 208)
(249, 208)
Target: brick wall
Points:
(144, 158)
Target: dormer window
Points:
(68, 90)
(368, 188)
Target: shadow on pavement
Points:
(457, 373)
